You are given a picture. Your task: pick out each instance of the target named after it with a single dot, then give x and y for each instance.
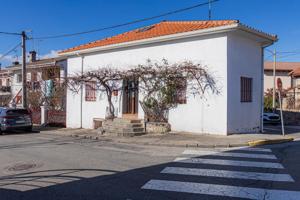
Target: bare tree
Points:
(165, 85)
(159, 82)
(108, 80)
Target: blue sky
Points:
(43, 18)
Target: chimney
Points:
(32, 56)
(16, 63)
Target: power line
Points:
(129, 23)
(11, 50)
(293, 54)
(9, 33)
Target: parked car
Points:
(15, 119)
(271, 118)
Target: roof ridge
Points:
(158, 29)
(197, 21)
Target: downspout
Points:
(262, 92)
(262, 85)
(81, 89)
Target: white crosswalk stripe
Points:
(226, 174)
(229, 162)
(251, 149)
(221, 190)
(229, 154)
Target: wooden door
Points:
(130, 98)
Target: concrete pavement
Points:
(187, 139)
(50, 166)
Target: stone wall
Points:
(291, 117)
(158, 127)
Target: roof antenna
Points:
(209, 9)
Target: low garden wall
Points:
(291, 117)
(158, 127)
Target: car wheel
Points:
(29, 129)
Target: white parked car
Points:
(271, 118)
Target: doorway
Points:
(130, 98)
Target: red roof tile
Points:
(156, 30)
(282, 66)
(295, 72)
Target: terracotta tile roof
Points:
(155, 30)
(282, 66)
(295, 72)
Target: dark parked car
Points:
(15, 119)
(271, 118)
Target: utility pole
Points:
(209, 9)
(24, 74)
(274, 80)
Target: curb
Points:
(250, 143)
(266, 141)
(93, 137)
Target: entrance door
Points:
(130, 98)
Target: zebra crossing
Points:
(235, 166)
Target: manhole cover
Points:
(22, 167)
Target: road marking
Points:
(251, 149)
(228, 154)
(221, 190)
(228, 174)
(230, 162)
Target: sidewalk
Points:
(174, 139)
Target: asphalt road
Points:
(46, 166)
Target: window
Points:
(246, 89)
(180, 96)
(33, 76)
(19, 78)
(90, 91)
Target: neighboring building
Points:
(283, 70)
(38, 71)
(293, 94)
(5, 87)
(231, 50)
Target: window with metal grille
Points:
(246, 89)
(180, 96)
(90, 91)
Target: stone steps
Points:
(124, 127)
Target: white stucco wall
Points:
(228, 56)
(198, 115)
(244, 59)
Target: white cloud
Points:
(8, 58)
(51, 54)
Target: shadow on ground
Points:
(70, 184)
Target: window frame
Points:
(246, 89)
(90, 91)
(181, 93)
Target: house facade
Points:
(38, 72)
(283, 70)
(232, 52)
(5, 87)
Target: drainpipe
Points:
(262, 91)
(81, 89)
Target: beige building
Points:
(283, 70)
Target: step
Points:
(130, 134)
(124, 120)
(133, 130)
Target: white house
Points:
(231, 50)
